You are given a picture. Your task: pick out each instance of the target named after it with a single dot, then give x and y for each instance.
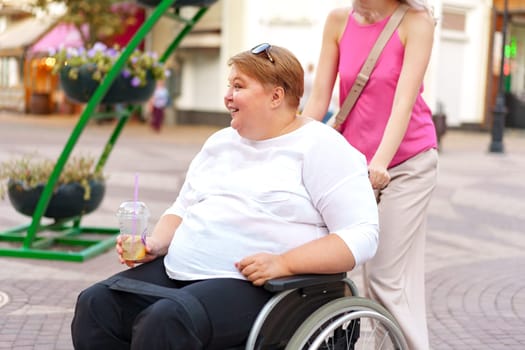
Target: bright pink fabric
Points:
(62, 35)
(366, 122)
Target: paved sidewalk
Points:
(475, 250)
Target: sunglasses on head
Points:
(265, 47)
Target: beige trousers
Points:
(395, 277)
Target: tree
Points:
(96, 20)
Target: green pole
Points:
(187, 28)
(100, 92)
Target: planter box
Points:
(67, 201)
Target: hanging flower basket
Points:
(121, 91)
(82, 70)
(68, 200)
(179, 3)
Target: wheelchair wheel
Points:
(348, 323)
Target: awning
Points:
(20, 35)
(62, 35)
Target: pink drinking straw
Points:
(135, 202)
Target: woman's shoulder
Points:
(418, 22)
(336, 22)
(417, 25)
(339, 15)
(420, 17)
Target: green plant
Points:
(95, 20)
(138, 67)
(32, 170)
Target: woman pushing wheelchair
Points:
(274, 195)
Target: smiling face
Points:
(263, 94)
(249, 103)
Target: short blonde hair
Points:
(285, 71)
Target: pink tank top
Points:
(366, 122)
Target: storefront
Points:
(514, 62)
(15, 42)
(39, 79)
(27, 83)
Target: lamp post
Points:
(500, 110)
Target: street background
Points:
(475, 255)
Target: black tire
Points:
(343, 321)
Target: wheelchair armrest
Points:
(301, 281)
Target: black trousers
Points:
(142, 308)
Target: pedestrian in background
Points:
(159, 102)
(392, 125)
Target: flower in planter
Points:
(79, 189)
(101, 58)
(30, 171)
(81, 71)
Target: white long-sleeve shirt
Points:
(243, 197)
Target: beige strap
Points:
(368, 66)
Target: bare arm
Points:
(324, 255)
(163, 233)
(417, 33)
(327, 66)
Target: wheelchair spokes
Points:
(341, 338)
(348, 324)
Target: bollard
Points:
(440, 123)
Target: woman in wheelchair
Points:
(274, 195)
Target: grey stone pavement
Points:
(475, 255)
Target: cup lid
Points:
(133, 208)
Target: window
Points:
(453, 21)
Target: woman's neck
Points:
(373, 11)
(292, 125)
(280, 127)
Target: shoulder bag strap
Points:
(368, 66)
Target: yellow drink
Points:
(132, 247)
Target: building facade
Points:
(461, 81)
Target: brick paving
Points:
(475, 247)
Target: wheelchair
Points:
(322, 312)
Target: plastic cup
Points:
(133, 219)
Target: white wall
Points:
(202, 86)
(431, 78)
(294, 24)
(462, 62)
